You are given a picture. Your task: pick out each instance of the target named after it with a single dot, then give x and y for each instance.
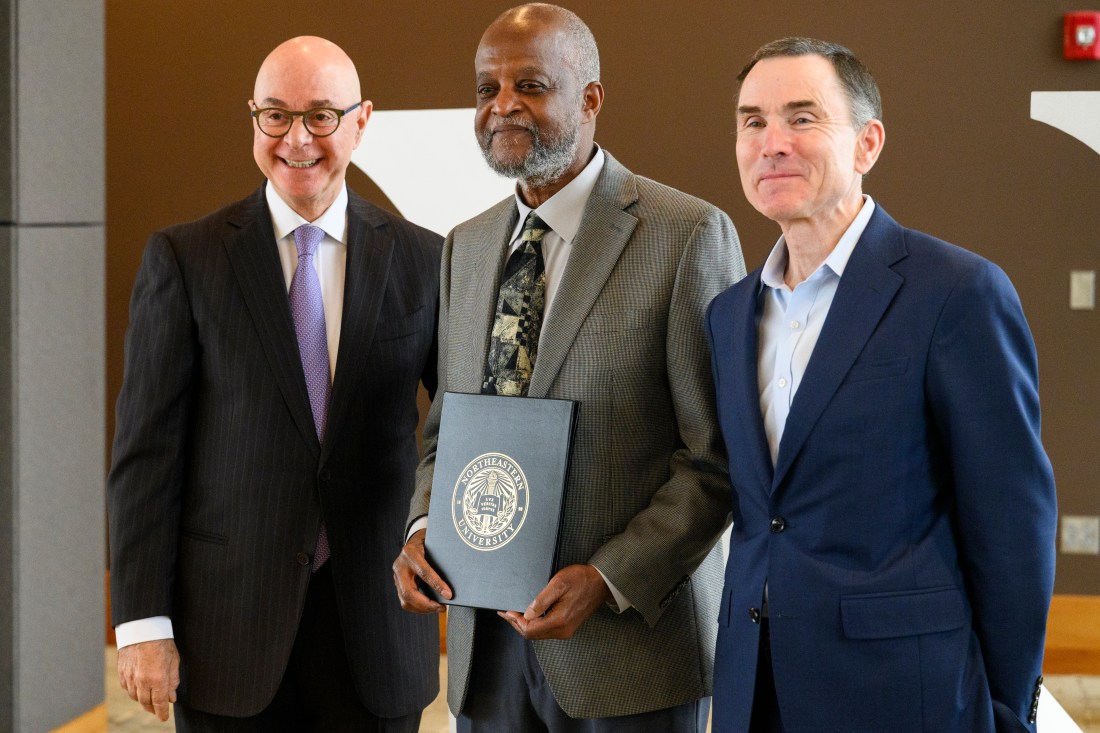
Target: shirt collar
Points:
(285, 220)
(563, 211)
(771, 275)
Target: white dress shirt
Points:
(330, 260)
(563, 213)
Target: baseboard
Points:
(93, 721)
(1073, 636)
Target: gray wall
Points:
(51, 362)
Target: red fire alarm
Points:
(1081, 36)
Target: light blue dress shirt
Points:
(791, 322)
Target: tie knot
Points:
(534, 228)
(306, 239)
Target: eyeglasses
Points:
(319, 121)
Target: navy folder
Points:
(500, 470)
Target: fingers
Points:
(517, 621)
(571, 596)
(159, 703)
(546, 599)
(149, 672)
(411, 565)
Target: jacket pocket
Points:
(902, 613)
(402, 326)
(628, 319)
(861, 371)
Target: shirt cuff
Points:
(143, 629)
(618, 602)
(418, 524)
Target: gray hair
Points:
(864, 99)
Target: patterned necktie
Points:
(308, 311)
(514, 341)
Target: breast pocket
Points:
(863, 371)
(399, 325)
(626, 319)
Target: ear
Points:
(592, 100)
(869, 145)
(365, 110)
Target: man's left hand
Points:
(571, 596)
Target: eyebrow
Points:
(313, 103)
(788, 107)
(526, 71)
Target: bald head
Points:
(302, 75)
(307, 62)
(578, 44)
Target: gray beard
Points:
(545, 163)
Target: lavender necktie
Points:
(308, 311)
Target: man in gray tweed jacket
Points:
(624, 631)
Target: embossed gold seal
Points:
(490, 501)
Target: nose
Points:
(505, 102)
(298, 136)
(777, 141)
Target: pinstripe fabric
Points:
(219, 484)
(648, 492)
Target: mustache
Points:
(513, 121)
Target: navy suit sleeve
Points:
(983, 393)
(145, 482)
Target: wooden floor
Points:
(1073, 636)
(1079, 695)
(1071, 668)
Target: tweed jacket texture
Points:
(648, 492)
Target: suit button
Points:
(303, 558)
(326, 475)
(754, 614)
(778, 524)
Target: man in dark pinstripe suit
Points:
(231, 481)
(621, 639)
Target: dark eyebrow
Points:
(788, 107)
(800, 104)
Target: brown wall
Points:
(962, 161)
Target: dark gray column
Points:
(51, 362)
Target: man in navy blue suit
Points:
(892, 551)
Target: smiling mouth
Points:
(301, 163)
(512, 128)
(776, 177)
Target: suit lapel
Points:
(865, 291)
(605, 230)
(744, 347)
(254, 257)
(369, 252)
(478, 257)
